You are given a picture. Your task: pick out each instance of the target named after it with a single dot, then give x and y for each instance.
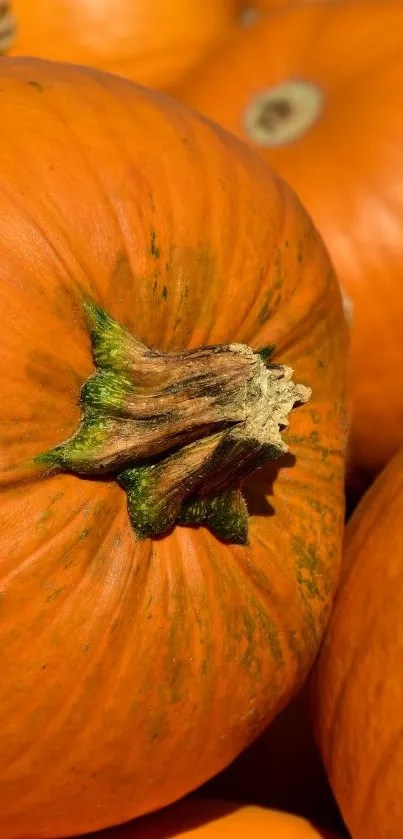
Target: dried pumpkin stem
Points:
(181, 431)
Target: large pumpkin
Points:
(314, 91)
(133, 669)
(154, 42)
(206, 819)
(358, 685)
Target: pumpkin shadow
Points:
(178, 819)
(256, 490)
(259, 486)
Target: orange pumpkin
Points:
(314, 91)
(358, 688)
(134, 669)
(206, 819)
(154, 42)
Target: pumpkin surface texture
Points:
(206, 819)
(154, 42)
(358, 686)
(314, 91)
(134, 669)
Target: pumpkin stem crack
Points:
(179, 431)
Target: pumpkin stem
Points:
(180, 432)
(283, 113)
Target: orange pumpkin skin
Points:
(205, 819)
(154, 43)
(346, 168)
(136, 670)
(358, 689)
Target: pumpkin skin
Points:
(357, 688)
(155, 43)
(206, 819)
(352, 53)
(138, 669)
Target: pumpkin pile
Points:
(154, 42)
(201, 419)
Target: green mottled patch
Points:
(45, 516)
(309, 568)
(154, 249)
(53, 595)
(36, 85)
(270, 631)
(273, 295)
(315, 504)
(157, 729)
(315, 416)
(164, 293)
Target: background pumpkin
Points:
(314, 91)
(136, 670)
(358, 689)
(155, 43)
(217, 820)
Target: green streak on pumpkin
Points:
(310, 569)
(36, 85)
(154, 250)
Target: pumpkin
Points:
(155, 43)
(314, 91)
(135, 235)
(357, 687)
(217, 820)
